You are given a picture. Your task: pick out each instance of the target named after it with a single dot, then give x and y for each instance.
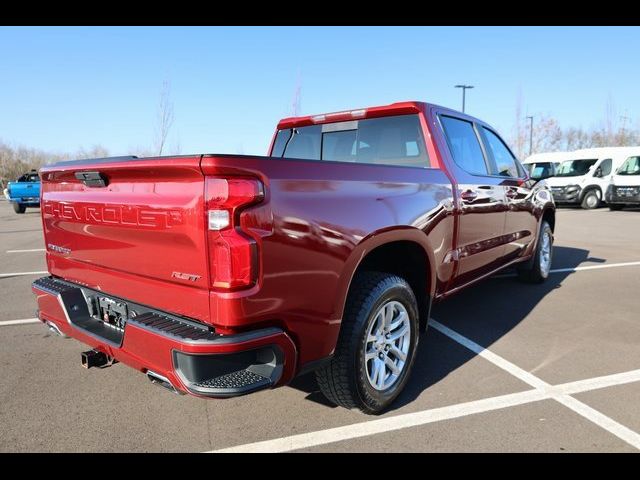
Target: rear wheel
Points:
(538, 268)
(377, 344)
(591, 199)
(615, 206)
(18, 208)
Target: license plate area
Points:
(105, 317)
(111, 312)
(102, 320)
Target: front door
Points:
(520, 224)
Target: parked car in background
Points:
(220, 275)
(25, 192)
(540, 166)
(584, 177)
(624, 188)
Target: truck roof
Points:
(607, 151)
(398, 108)
(547, 157)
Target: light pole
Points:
(464, 90)
(530, 117)
(624, 119)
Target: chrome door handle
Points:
(511, 193)
(468, 195)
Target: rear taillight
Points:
(233, 253)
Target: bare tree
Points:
(177, 147)
(575, 138)
(141, 151)
(295, 105)
(16, 160)
(609, 120)
(164, 118)
(548, 136)
(519, 138)
(97, 151)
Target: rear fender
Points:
(377, 239)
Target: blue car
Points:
(25, 192)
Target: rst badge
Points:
(185, 276)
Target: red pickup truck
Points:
(220, 275)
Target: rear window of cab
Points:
(396, 141)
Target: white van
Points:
(584, 177)
(624, 188)
(543, 165)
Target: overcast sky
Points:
(64, 88)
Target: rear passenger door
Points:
(521, 223)
(481, 205)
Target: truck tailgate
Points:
(26, 190)
(138, 232)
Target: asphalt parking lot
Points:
(505, 366)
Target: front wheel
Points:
(537, 270)
(591, 200)
(376, 346)
(19, 208)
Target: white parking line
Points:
(579, 269)
(27, 250)
(349, 432)
(490, 356)
(541, 391)
(600, 419)
(596, 267)
(18, 274)
(617, 429)
(598, 382)
(6, 323)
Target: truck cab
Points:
(25, 192)
(583, 178)
(624, 188)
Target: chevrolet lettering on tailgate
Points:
(125, 215)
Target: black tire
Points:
(19, 208)
(615, 206)
(532, 271)
(591, 199)
(344, 381)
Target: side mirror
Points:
(598, 173)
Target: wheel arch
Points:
(589, 188)
(405, 252)
(549, 215)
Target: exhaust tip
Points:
(161, 381)
(55, 329)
